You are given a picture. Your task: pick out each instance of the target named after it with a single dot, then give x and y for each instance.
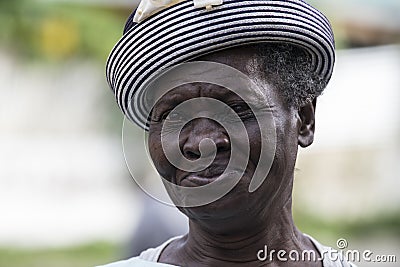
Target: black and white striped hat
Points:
(182, 31)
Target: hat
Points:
(163, 33)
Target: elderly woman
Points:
(227, 92)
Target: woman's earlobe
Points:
(307, 124)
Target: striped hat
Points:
(164, 33)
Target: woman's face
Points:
(239, 201)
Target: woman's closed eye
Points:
(240, 107)
(242, 110)
(173, 116)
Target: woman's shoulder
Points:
(153, 254)
(330, 256)
(147, 258)
(136, 262)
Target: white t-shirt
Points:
(149, 257)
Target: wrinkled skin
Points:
(231, 230)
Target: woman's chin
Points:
(231, 205)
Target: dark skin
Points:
(231, 230)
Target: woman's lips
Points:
(194, 180)
(202, 178)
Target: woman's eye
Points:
(242, 110)
(173, 116)
(239, 108)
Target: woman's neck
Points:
(242, 244)
(204, 246)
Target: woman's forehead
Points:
(244, 59)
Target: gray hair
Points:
(289, 68)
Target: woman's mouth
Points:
(201, 178)
(195, 180)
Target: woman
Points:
(227, 92)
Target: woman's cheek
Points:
(157, 154)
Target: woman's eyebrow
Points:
(167, 102)
(166, 98)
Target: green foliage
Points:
(56, 32)
(82, 256)
(330, 231)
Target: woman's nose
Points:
(200, 129)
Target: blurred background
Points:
(66, 196)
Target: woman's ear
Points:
(306, 115)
